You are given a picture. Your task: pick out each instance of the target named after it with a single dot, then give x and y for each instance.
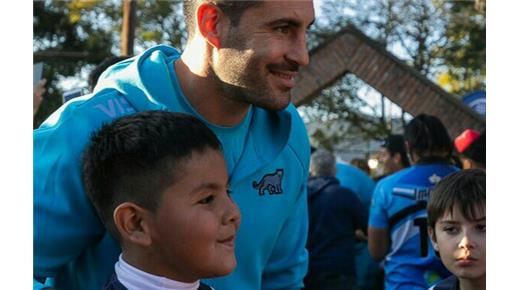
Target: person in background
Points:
(393, 155)
(457, 229)
(94, 75)
(362, 164)
(235, 74)
(397, 230)
(38, 92)
(368, 272)
(471, 145)
(335, 213)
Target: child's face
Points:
(462, 244)
(194, 228)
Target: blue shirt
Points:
(399, 205)
(73, 250)
(356, 180)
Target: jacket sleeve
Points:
(64, 221)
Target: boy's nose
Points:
(232, 214)
(466, 243)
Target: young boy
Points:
(457, 228)
(159, 183)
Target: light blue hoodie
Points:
(268, 181)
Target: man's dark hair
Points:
(476, 151)
(465, 189)
(94, 75)
(395, 144)
(426, 136)
(135, 158)
(231, 8)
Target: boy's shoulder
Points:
(450, 283)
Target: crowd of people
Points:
(193, 170)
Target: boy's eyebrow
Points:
(480, 219)
(457, 222)
(210, 185)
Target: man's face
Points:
(194, 228)
(391, 163)
(462, 244)
(260, 57)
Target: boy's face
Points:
(462, 244)
(193, 230)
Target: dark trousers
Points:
(329, 281)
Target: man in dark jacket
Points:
(335, 213)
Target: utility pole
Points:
(128, 29)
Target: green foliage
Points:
(72, 37)
(445, 41)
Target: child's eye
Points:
(207, 200)
(450, 230)
(481, 228)
(229, 191)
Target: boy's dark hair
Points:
(231, 8)
(395, 144)
(136, 157)
(426, 135)
(465, 189)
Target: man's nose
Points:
(299, 52)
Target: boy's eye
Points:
(481, 228)
(207, 200)
(229, 191)
(450, 230)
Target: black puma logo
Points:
(270, 182)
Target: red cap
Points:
(465, 139)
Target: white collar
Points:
(135, 279)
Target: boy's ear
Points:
(433, 238)
(210, 22)
(132, 223)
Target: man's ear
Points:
(433, 238)
(209, 22)
(132, 222)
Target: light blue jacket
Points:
(269, 184)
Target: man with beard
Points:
(235, 74)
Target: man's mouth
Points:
(286, 78)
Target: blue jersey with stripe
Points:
(399, 205)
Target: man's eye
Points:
(207, 200)
(282, 29)
(229, 191)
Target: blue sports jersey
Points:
(72, 249)
(399, 205)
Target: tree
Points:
(422, 33)
(72, 37)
